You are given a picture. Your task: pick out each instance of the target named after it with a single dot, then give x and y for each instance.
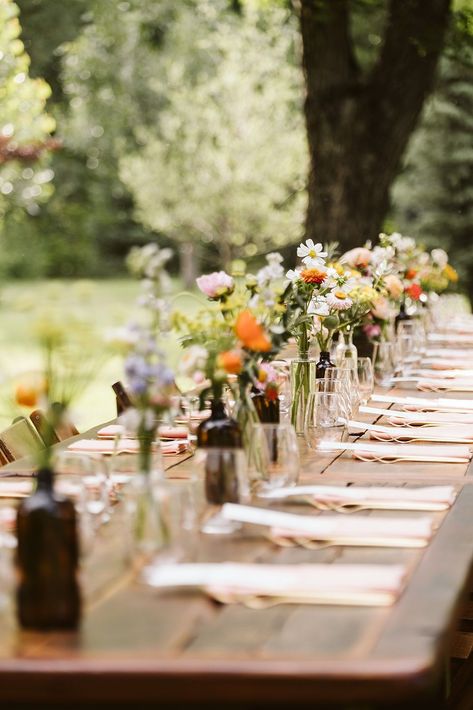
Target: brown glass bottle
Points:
(48, 595)
(219, 430)
(267, 409)
(323, 364)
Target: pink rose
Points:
(360, 256)
(372, 330)
(381, 308)
(394, 286)
(216, 285)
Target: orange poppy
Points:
(411, 273)
(230, 361)
(251, 333)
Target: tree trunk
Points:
(189, 264)
(359, 126)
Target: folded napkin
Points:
(446, 374)
(415, 419)
(447, 435)
(336, 529)
(12, 488)
(122, 446)
(432, 498)
(194, 417)
(445, 385)
(385, 453)
(466, 339)
(165, 432)
(424, 403)
(448, 353)
(376, 585)
(446, 365)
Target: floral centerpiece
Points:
(240, 328)
(151, 387)
(322, 297)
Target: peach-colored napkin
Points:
(336, 529)
(432, 498)
(122, 446)
(375, 585)
(165, 432)
(386, 453)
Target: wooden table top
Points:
(137, 644)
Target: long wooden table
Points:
(138, 646)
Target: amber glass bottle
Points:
(48, 595)
(323, 364)
(219, 429)
(268, 409)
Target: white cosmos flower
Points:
(312, 254)
(439, 257)
(319, 306)
(339, 300)
(293, 274)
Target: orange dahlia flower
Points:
(313, 276)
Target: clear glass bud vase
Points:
(302, 379)
(146, 499)
(346, 351)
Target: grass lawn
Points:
(107, 303)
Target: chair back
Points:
(19, 440)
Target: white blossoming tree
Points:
(225, 163)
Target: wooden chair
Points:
(65, 431)
(20, 439)
(122, 398)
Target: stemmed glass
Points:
(384, 363)
(365, 378)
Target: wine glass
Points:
(365, 378)
(384, 363)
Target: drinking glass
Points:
(406, 358)
(336, 383)
(274, 456)
(384, 363)
(365, 378)
(222, 476)
(348, 374)
(324, 420)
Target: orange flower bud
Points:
(29, 392)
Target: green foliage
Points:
(25, 127)
(433, 198)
